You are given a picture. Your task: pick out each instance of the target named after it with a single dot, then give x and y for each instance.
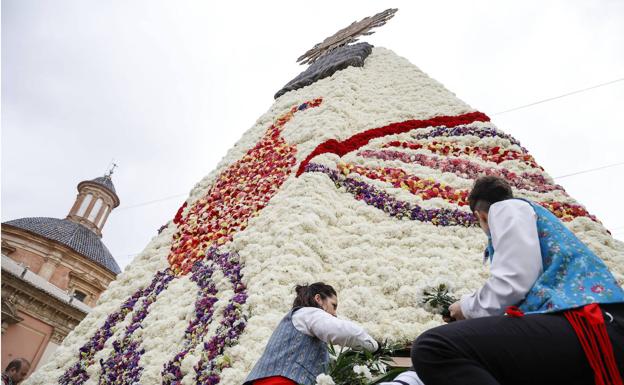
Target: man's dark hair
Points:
(488, 190)
(17, 364)
(306, 294)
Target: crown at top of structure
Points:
(347, 35)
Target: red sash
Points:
(275, 380)
(590, 328)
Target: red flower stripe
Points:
(566, 212)
(467, 169)
(429, 188)
(358, 140)
(491, 154)
(239, 193)
(178, 217)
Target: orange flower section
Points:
(238, 194)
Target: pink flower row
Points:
(467, 169)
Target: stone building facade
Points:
(53, 272)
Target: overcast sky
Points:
(167, 87)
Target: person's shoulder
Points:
(308, 315)
(306, 310)
(511, 211)
(510, 205)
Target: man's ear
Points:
(482, 215)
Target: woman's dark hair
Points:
(488, 190)
(306, 294)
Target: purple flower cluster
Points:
(204, 308)
(392, 206)
(231, 326)
(77, 374)
(122, 365)
(480, 132)
(467, 169)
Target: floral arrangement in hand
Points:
(354, 367)
(438, 299)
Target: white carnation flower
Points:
(324, 379)
(363, 370)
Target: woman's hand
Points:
(456, 312)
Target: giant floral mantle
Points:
(359, 180)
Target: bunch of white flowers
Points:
(324, 379)
(353, 367)
(363, 370)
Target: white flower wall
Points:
(379, 212)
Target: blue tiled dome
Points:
(106, 182)
(73, 235)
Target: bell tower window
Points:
(103, 217)
(95, 200)
(85, 203)
(95, 210)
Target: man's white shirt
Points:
(517, 261)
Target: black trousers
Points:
(530, 350)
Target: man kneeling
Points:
(568, 326)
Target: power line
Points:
(150, 202)
(590, 170)
(127, 255)
(560, 96)
(181, 195)
(615, 230)
(498, 113)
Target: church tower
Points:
(53, 272)
(96, 199)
